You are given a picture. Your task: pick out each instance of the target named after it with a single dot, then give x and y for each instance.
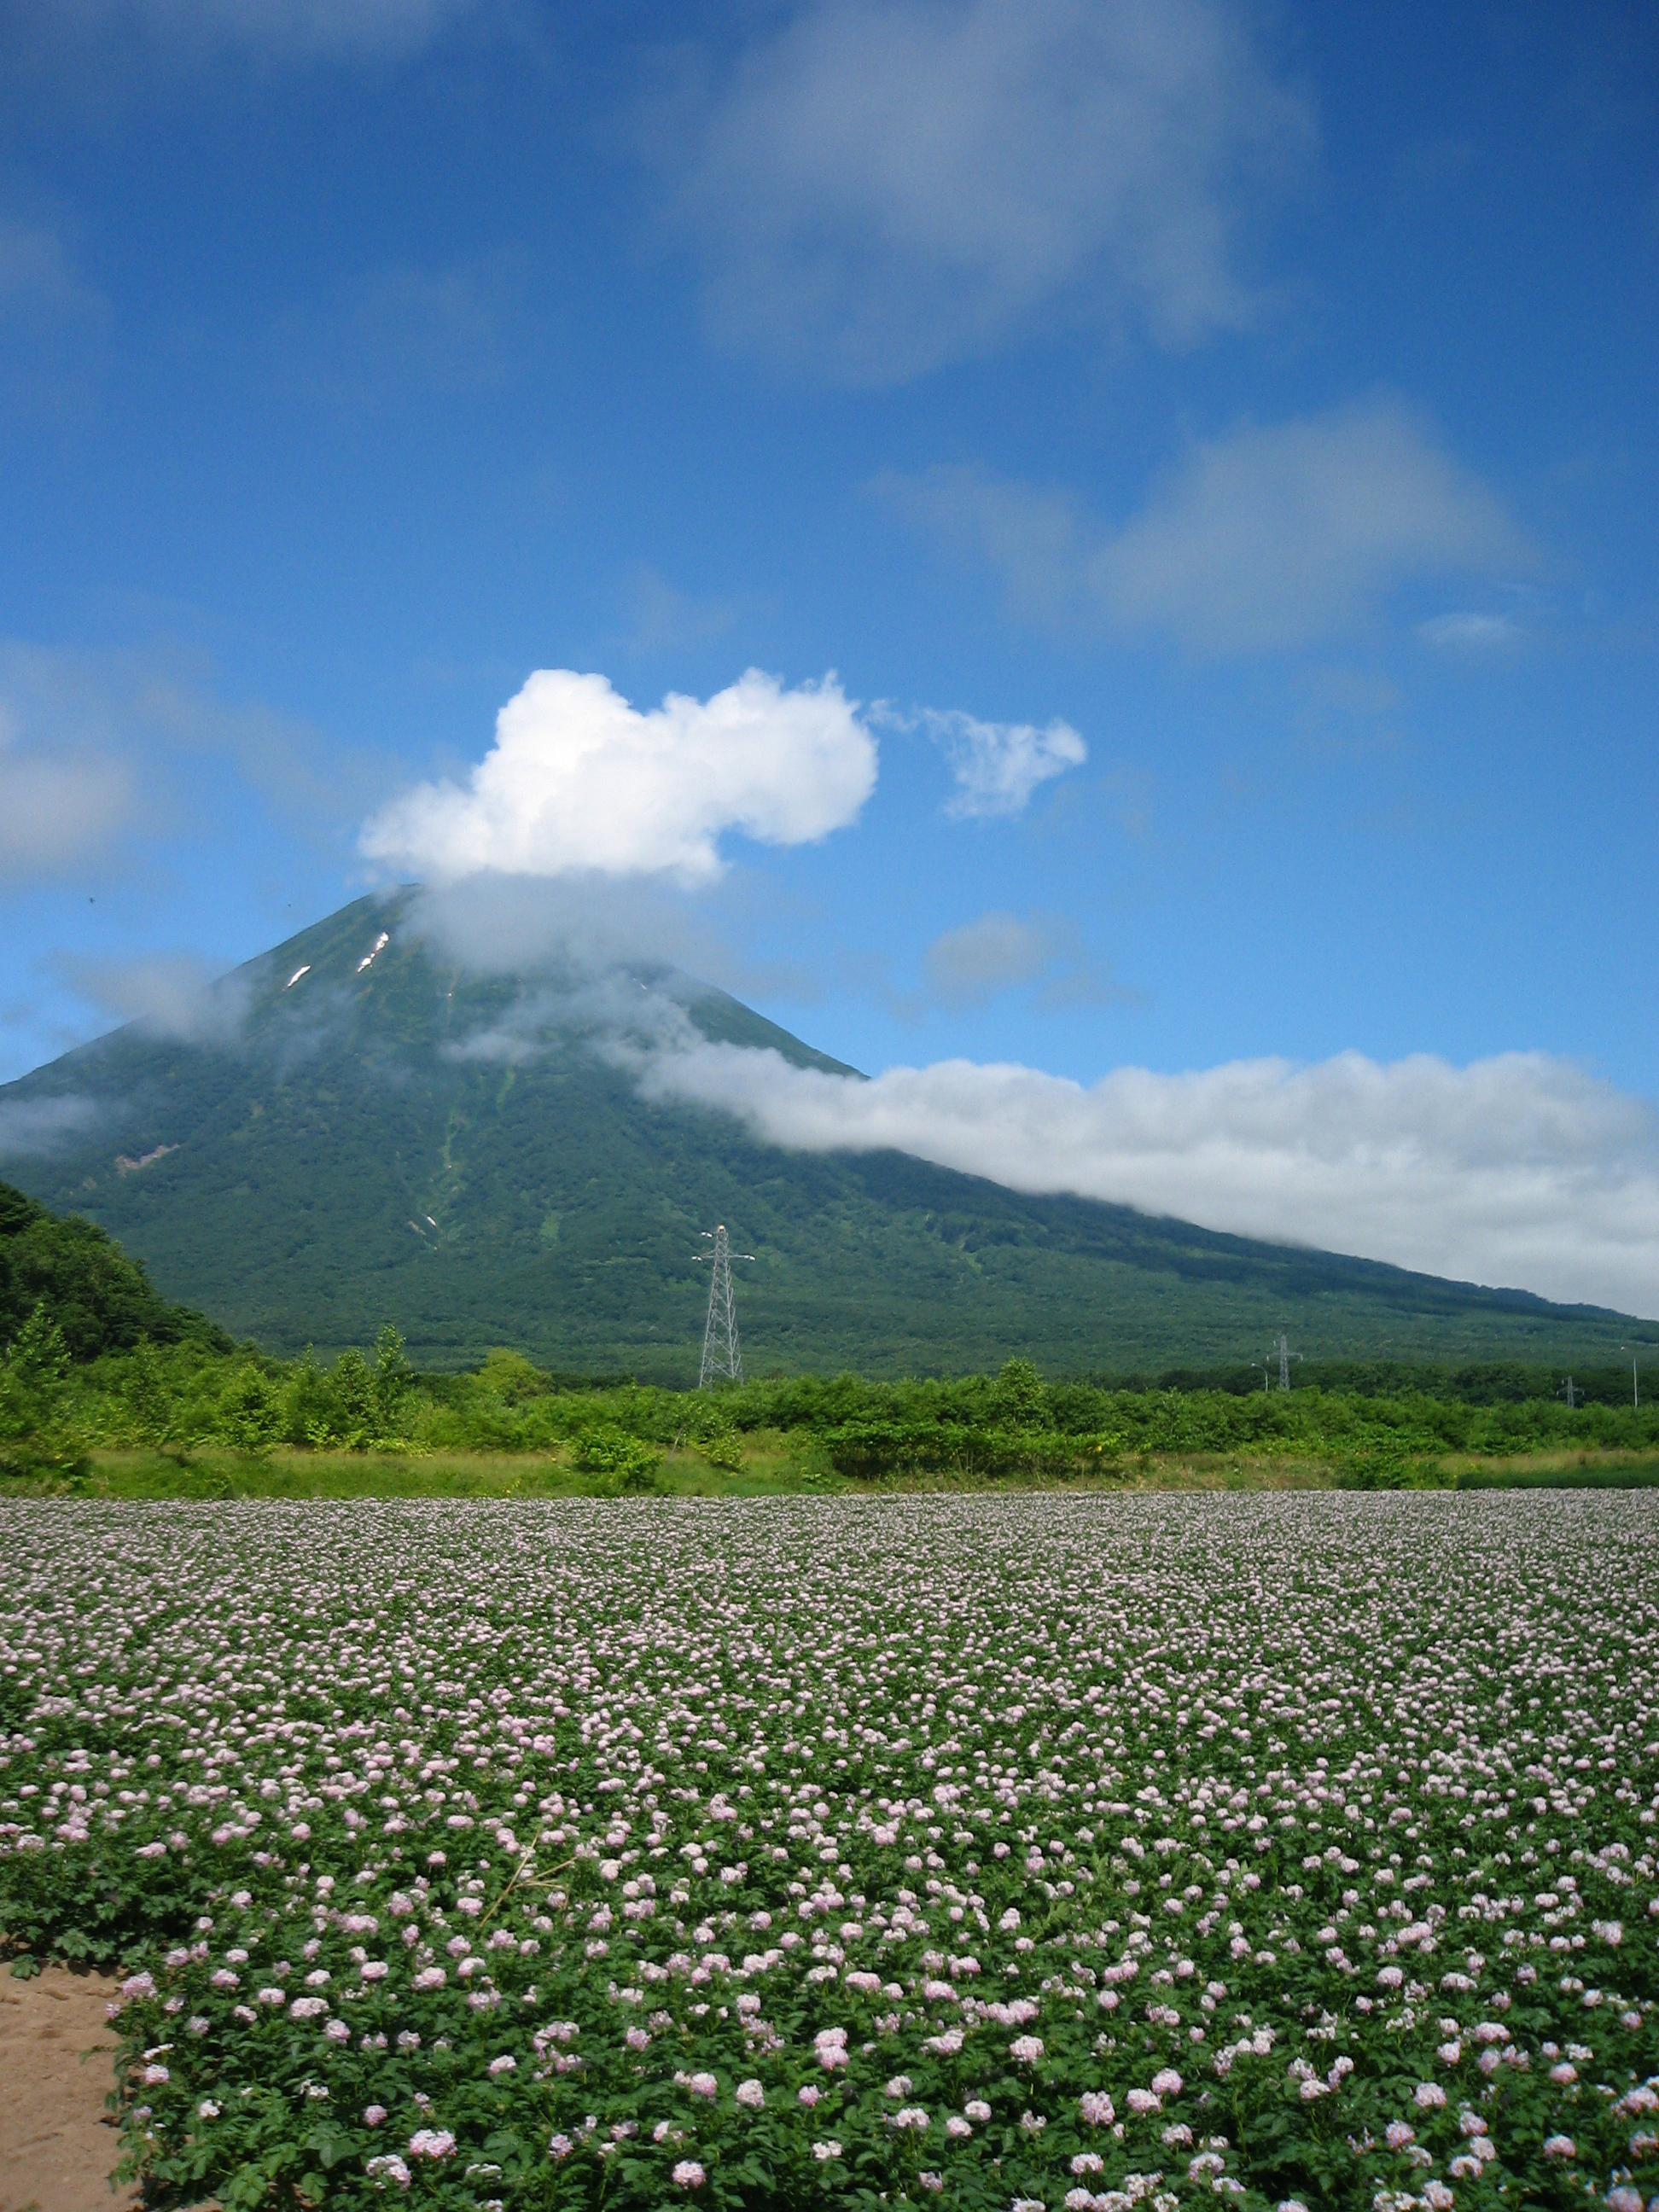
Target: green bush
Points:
(611, 1452)
(251, 1412)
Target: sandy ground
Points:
(57, 2147)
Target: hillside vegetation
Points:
(470, 1154)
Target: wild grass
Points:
(771, 1465)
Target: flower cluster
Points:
(1087, 1852)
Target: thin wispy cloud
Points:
(95, 747)
(33, 1128)
(997, 952)
(994, 766)
(1470, 633)
(54, 323)
(177, 995)
(1522, 1171)
(294, 30)
(455, 330)
(882, 186)
(37, 276)
(68, 785)
(1266, 540)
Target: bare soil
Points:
(58, 2144)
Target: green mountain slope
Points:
(351, 1157)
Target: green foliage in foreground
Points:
(187, 1398)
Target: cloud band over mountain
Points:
(1520, 1171)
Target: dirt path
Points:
(57, 2147)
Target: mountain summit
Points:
(361, 1129)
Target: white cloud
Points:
(581, 781)
(1273, 537)
(993, 953)
(1469, 633)
(67, 786)
(459, 331)
(1261, 541)
(884, 185)
(36, 277)
(90, 745)
(589, 926)
(998, 765)
(174, 994)
(1521, 1171)
(997, 951)
(32, 1126)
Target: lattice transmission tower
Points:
(720, 1352)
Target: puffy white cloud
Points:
(579, 780)
(1522, 1171)
(883, 185)
(1263, 540)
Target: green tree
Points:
(308, 1403)
(251, 1412)
(356, 1413)
(150, 1402)
(394, 1379)
(34, 1438)
(1021, 1396)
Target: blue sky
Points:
(1264, 395)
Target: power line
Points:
(720, 1352)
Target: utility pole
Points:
(1635, 1384)
(1573, 1394)
(720, 1352)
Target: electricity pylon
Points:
(720, 1354)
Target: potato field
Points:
(986, 1852)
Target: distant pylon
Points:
(720, 1353)
(1282, 1346)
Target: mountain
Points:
(364, 1131)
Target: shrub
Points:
(610, 1451)
(250, 1412)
